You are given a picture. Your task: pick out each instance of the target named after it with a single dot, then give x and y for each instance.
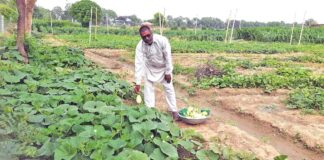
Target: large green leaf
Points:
(174, 130)
(9, 150)
(97, 106)
(69, 86)
(147, 125)
(107, 152)
(64, 151)
(133, 115)
(86, 117)
(73, 110)
(281, 157)
(109, 87)
(78, 141)
(56, 92)
(36, 118)
(109, 120)
(163, 135)
(87, 132)
(17, 77)
(131, 155)
(168, 149)
(5, 92)
(61, 109)
(158, 155)
(100, 132)
(117, 144)
(135, 139)
(186, 144)
(207, 155)
(163, 126)
(149, 148)
(47, 149)
(78, 129)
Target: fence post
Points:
(107, 23)
(51, 22)
(1, 24)
(292, 30)
(302, 29)
(90, 25)
(228, 22)
(230, 41)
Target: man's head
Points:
(146, 33)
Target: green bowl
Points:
(182, 115)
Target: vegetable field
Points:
(75, 100)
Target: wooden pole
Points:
(302, 29)
(292, 29)
(196, 23)
(107, 23)
(51, 22)
(163, 21)
(160, 23)
(228, 21)
(233, 26)
(90, 24)
(1, 24)
(96, 23)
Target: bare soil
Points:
(245, 119)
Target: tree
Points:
(276, 24)
(25, 12)
(30, 4)
(81, 11)
(112, 15)
(41, 13)
(210, 22)
(135, 20)
(156, 19)
(8, 9)
(21, 6)
(57, 12)
(7, 12)
(66, 15)
(9, 3)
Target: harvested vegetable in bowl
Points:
(193, 112)
(193, 115)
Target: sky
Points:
(249, 10)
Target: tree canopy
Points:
(81, 11)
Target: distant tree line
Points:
(107, 16)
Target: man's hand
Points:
(137, 89)
(167, 78)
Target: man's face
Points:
(147, 36)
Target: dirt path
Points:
(245, 119)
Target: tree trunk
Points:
(29, 15)
(21, 6)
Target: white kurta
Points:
(152, 62)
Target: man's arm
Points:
(139, 64)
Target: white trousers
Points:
(149, 94)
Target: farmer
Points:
(153, 61)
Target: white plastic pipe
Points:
(107, 22)
(1, 24)
(51, 22)
(90, 25)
